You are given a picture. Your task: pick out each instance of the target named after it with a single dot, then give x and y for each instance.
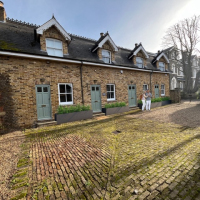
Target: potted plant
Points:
(72, 113)
(140, 104)
(114, 108)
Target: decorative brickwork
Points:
(54, 34)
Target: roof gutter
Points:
(7, 53)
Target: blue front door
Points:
(132, 95)
(96, 98)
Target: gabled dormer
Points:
(53, 38)
(139, 56)
(105, 48)
(161, 61)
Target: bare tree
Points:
(185, 35)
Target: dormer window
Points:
(139, 62)
(106, 56)
(54, 47)
(162, 66)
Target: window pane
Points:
(39, 89)
(112, 87)
(108, 87)
(58, 53)
(112, 95)
(57, 44)
(68, 88)
(45, 89)
(105, 53)
(50, 52)
(62, 88)
(108, 95)
(62, 98)
(106, 60)
(69, 97)
(49, 43)
(97, 88)
(129, 87)
(93, 88)
(133, 87)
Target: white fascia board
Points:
(141, 48)
(50, 23)
(110, 40)
(163, 54)
(73, 61)
(38, 57)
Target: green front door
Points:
(156, 91)
(132, 95)
(43, 102)
(96, 98)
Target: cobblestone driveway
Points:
(148, 159)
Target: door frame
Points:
(158, 90)
(135, 95)
(100, 97)
(49, 101)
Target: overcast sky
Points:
(127, 21)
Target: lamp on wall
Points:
(131, 82)
(95, 81)
(42, 80)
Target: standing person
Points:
(148, 100)
(143, 100)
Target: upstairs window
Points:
(65, 92)
(173, 69)
(110, 92)
(54, 47)
(162, 66)
(139, 62)
(106, 56)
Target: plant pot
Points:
(140, 105)
(166, 102)
(110, 111)
(156, 104)
(75, 116)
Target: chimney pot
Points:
(136, 44)
(158, 51)
(101, 34)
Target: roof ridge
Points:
(82, 37)
(124, 48)
(21, 22)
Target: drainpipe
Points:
(150, 80)
(81, 76)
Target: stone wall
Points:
(175, 96)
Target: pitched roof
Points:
(102, 40)
(159, 55)
(137, 49)
(50, 23)
(16, 36)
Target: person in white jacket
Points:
(143, 100)
(148, 100)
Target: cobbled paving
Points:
(147, 160)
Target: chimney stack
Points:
(136, 44)
(158, 51)
(101, 34)
(2, 12)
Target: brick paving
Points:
(149, 159)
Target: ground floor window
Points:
(162, 90)
(65, 93)
(145, 87)
(110, 92)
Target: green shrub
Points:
(139, 101)
(159, 99)
(113, 105)
(70, 109)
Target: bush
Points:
(70, 109)
(113, 105)
(159, 99)
(139, 101)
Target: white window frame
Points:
(110, 99)
(162, 89)
(181, 86)
(160, 68)
(144, 87)
(52, 40)
(103, 50)
(174, 68)
(138, 64)
(65, 103)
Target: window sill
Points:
(162, 95)
(111, 100)
(66, 104)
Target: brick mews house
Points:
(45, 65)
